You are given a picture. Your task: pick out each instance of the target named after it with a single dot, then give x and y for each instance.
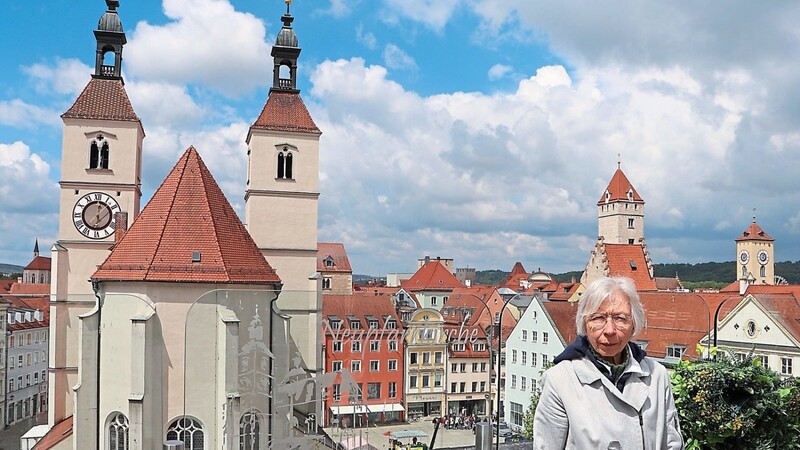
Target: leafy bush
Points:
(730, 403)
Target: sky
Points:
(484, 131)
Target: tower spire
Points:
(284, 55)
(36, 248)
(110, 38)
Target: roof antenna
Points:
(754, 215)
(619, 160)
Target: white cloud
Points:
(67, 76)
(433, 13)
(395, 58)
(207, 42)
(25, 186)
(366, 38)
(499, 71)
(164, 104)
(17, 113)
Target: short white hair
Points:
(599, 290)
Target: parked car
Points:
(505, 430)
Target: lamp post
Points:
(716, 320)
(499, 366)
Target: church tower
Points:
(281, 197)
(620, 212)
(101, 161)
(755, 256)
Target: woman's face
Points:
(610, 328)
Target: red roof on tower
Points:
(285, 111)
(188, 232)
(754, 233)
(618, 188)
(102, 99)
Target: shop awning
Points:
(350, 409)
(389, 407)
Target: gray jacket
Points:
(581, 409)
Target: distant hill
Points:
(10, 269)
(712, 272)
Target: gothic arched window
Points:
(118, 432)
(98, 153)
(249, 431)
(285, 164)
(763, 271)
(187, 430)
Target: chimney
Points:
(120, 226)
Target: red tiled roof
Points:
(102, 99)
(337, 253)
(285, 111)
(433, 276)
(41, 304)
(58, 433)
(620, 257)
(361, 306)
(618, 188)
(562, 316)
(30, 289)
(564, 291)
(187, 214)
(39, 263)
(673, 318)
(754, 233)
(5, 285)
(784, 309)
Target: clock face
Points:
(744, 257)
(763, 257)
(93, 215)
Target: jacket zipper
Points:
(641, 427)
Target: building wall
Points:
(613, 222)
(523, 341)
(29, 396)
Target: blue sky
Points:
(479, 130)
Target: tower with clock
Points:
(755, 256)
(100, 177)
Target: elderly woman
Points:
(602, 391)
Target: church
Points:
(176, 321)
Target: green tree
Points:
(736, 403)
(527, 418)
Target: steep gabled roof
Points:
(618, 188)
(629, 260)
(30, 289)
(336, 253)
(359, 306)
(188, 232)
(62, 430)
(285, 111)
(433, 276)
(754, 233)
(39, 263)
(102, 99)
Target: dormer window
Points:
(98, 153)
(285, 163)
(329, 262)
(630, 195)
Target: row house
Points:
(27, 325)
(432, 284)
(426, 359)
(363, 360)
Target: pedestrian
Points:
(602, 390)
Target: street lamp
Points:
(499, 358)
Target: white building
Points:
(27, 339)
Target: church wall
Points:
(263, 166)
(124, 138)
(283, 221)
